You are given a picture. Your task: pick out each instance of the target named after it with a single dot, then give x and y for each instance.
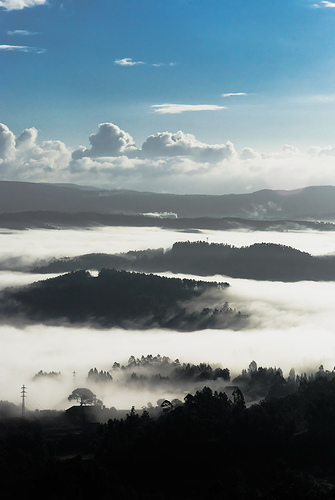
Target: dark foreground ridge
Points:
(123, 299)
(261, 261)
(209, 446)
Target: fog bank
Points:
(28, 246)
(27, 351)
(291, 324)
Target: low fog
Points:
(291, 324)
(22, 248)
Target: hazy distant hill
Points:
(313, 202)
(64, 220)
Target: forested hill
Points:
(64, 220)
(261, 261)
(123, 299)
(316, 202)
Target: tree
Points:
(166, 405)
(252, 367)
(84, 396)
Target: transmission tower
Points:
(23, 396)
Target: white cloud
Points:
(162, 64)
(168, 108)
(233, 94)
(249, 154)
(324, 4)
(21, 48)
(322, 151)
(22, 32)
(174, 162)
(22, 158)
(7, 143)
(167, 144)
(127, 61)
(20, 4)
(110, 140)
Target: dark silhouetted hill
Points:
(120, 298)
(208, 446)
(261, 261)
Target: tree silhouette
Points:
(84, 396)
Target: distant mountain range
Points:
(311, 203)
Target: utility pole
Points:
(74, 377)
(23, 396)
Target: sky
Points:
(185, 96)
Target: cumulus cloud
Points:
(249, 154)
(127, 61)
(169, 108)
(22, 158)
(27, 138)
(7, 143)
(21, 48)
(110, 140)
(20, 4)
(174, 162)
(166, 144)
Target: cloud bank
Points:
(167, 161)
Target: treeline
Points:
(64, 220)
(159, 370)
(261, 261)
(256, 382)
(123, 299)
(209, 446)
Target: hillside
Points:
(316, 202)
(261, 261)
(64, 220)
(122, 299)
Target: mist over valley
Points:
(279, 326)
(167, 250)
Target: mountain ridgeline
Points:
(317, 202)
(261, 261)
(122, 299)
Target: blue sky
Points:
(68, 66)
